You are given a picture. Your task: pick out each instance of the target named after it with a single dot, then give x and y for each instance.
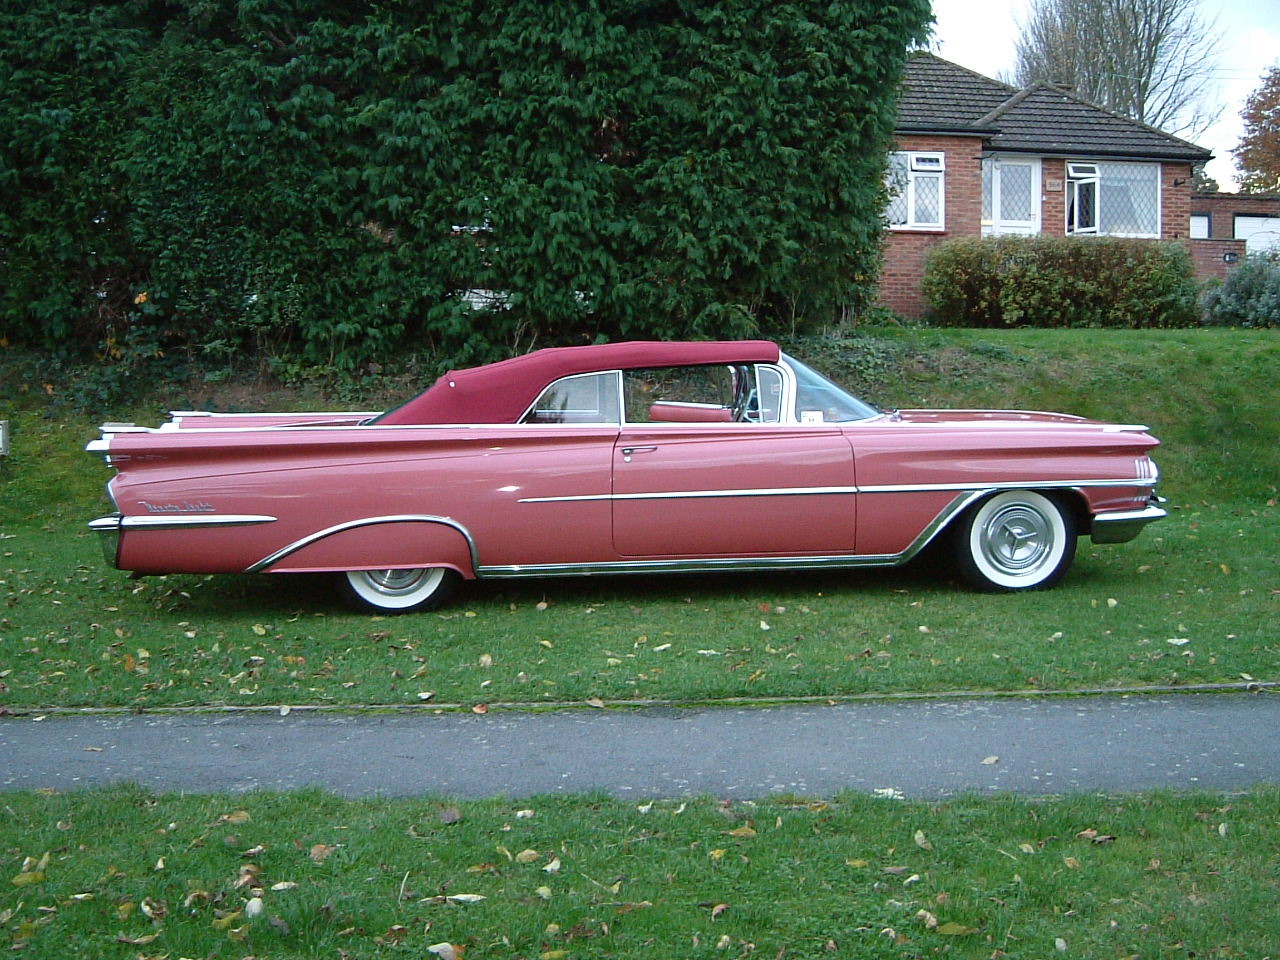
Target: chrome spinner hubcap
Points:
(397, 582)
(1017, 539)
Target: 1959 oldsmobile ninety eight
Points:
(620, 458)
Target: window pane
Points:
(928, 196)
(988, 168)
(768, 399)
(1015, 192)
(1129, 202)
(710, 387)
(1082, 206)
(588, 399)
(897, 183)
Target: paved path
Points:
(919, 748)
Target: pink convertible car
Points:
(620, 458)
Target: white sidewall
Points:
(1047, 565)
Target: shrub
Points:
(1249, 297)
(333, 180)
(1061, 282)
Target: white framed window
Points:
(1113, 199)
(1082, 198)
(1200, 226)
(1011, 197)
(917, 191)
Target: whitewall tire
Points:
(1019, 540)
(399, 591)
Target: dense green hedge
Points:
(322, 180)
(1061, 282)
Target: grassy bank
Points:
(1193, 600)
(124, 873)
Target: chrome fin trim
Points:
(319, 535)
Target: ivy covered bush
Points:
(1248, 297)
(338, 181)
(1061, 282)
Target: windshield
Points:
(818, 400)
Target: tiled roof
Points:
(939, 93)
(1043, 119)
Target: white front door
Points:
(1010, 195)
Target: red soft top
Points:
(501, 392)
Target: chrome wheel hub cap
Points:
(394, 582)
(1017, 539)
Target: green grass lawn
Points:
(1194, 600)
(122, 873)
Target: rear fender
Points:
(378, 543)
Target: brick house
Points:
(976, 157)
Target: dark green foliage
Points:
(1249, 297)
(1061, 282)
(323, 182)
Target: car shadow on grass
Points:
(274, 596)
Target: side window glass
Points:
(589, 398)
(766, 405)
(704, 394)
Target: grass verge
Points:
(125, 873)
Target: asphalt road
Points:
(922, 749)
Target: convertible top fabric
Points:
(501, 392)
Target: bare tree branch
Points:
(1151, 60)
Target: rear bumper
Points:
(1123, 526)
(108, 530)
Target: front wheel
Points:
(399, 591)
(1018, 540)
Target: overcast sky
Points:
(982, 34)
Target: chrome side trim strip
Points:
(1008, 485)
(844, 491)
(837, 561)
(700, 494)
(170, 522)
(366, 522)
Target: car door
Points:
(695, 476)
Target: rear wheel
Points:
(400, 591)
(1017, 540)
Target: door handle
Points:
(628, 451)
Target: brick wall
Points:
(1214, 259)
(1053, 197)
